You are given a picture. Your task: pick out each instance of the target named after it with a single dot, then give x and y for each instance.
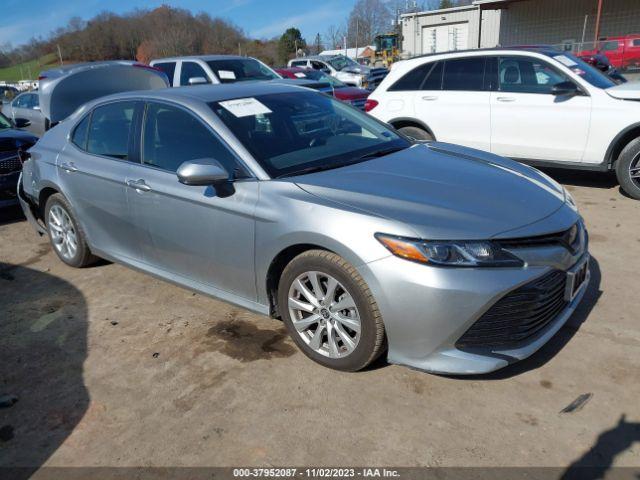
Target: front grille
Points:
(571, 239)
(359, 103)
(519, 315)
(9, 162)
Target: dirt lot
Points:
(113, 367)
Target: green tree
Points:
(288, 43)
(446, 4)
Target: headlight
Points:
(450, 253)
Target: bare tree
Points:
(367, 19)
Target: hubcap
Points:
(324, 314)
(63, 234)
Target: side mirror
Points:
(565, 89)
(202, 172)
(197, 81)
(22, 122)
(37, 107)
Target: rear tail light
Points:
(370, 105)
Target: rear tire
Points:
(65, 233)
(628, 169)
(416, 133)
(330, 312)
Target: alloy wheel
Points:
(324, 314)
(634, 170)
(62, 231)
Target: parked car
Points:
(602, 63)
(291, 204)
(623, 52)
(12, 142)
(343, 68)
(352, 95)
(27, 106)
(222, 69)
(542, 107)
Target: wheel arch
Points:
(277, 266)
(43, 195)
(619, 142)
(410, 122)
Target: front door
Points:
(528, 122)
(197, 234)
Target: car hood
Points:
(625, 91)
(443, 191)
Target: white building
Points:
(490, 23)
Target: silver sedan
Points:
(292, 204)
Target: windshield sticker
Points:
(226, 75)
(299, 74)
(245, 107)
(563, 59)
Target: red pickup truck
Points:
(622, 52)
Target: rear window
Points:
(240, 70)
(464, 74)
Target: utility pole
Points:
(59, 53)
(595, 40)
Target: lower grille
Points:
(9, 162)
(519, 315)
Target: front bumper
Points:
(427, 309)
(8, 182)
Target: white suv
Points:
(537, 106)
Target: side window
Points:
(636, 42)
(79, 136)
(527, 75)
(302, 64)
(464, 74)
(412, 80)
(172, 136)
(34, 101)
(317, 65)
(168, 68)
(110, 129)
(434, 78)
(192, 70)
(19, 102)
(610, 46)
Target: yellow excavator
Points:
(387, 49)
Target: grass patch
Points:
(28, 70)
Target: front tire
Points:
(628, 169)
(330, 312)
(66, 236)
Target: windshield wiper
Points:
(317, 168)
(381, 153)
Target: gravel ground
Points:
(112, 367)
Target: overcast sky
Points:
(20, 20)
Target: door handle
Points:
(506, 99)
(139, 185)
(68, 167)
(430, 98)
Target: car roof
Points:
(205, 58)
(212, 93)
(543, 49)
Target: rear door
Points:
(454, 102)
(528, 122)
(93, 168)
(200, 234)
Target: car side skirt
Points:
(593, 167)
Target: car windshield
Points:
(296, 133)
(4, 122)
(341, 62)
(323, 77)
(588, 73)
(240, 70)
